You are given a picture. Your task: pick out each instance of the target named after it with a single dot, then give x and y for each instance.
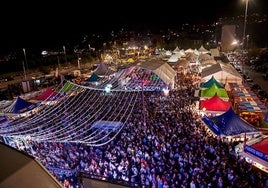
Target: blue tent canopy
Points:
(266, 117)
(19, 106)
(93, 78)
(228, 124)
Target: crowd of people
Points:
(170, 148)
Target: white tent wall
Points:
(160, 68)
(224, 73)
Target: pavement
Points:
(257, 78)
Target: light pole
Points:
(78, 61)
(24, 72)
(245, 25)
(64, 51)
(25, 57)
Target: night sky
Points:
(35, 24)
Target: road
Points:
(18, 77)
(257, 77)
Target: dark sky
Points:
(25, 24)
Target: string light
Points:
(72, 114)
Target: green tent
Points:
(211, 91)
(69, 87)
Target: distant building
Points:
(229, 39)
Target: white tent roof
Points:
(160, 68)
(191, 57)
(208, 62)
(189, 50)
(102, 69)
(168, 53)
(176, 50)
(203, 57)
(196, 52)
(173, 58)
(181, 63)
(222, 72)
(203, 50)
(215, 52)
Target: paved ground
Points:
(257, 77)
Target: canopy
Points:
(203, 50)
(215, 52)
(181, 63)
(19, 106)
(215, 104)
(210, 92)
(223, 72)
(174, 58)
(5, 103)
(210, 82)
(176, 50)
(266, 117)
(160, 68)
(259, 149)
(69, 87)
(203, 57)
(251, 106)
(228, 124)
(261, 145)
(46, 94)
(93, 78)
(102, 70)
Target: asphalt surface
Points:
(257, 78)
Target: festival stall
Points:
(256, 153)
(48, 93)
(210, 82)
(214, 105)
(252, 111)
(247, 104)
(212, 90)
(230, 126)
(223, 72)
(20, 107)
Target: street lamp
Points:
(78, 61)
(24, 72)
(24, 52)
(65, 54)
(245, 24)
